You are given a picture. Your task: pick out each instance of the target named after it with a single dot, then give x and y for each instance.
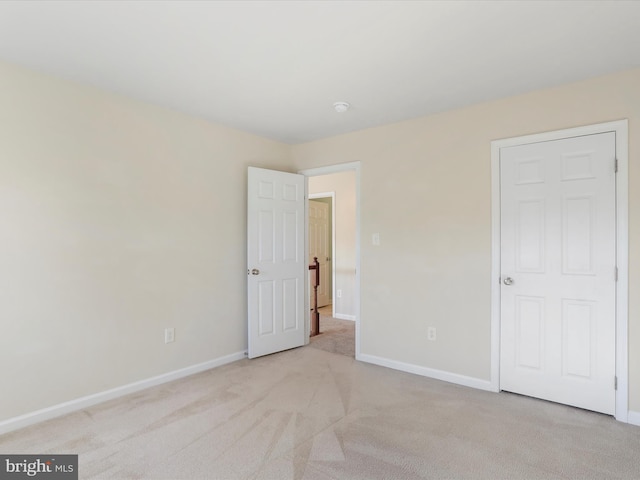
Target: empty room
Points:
(319, 239)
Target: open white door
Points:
(276, 261)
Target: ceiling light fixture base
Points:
(341, 107)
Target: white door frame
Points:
(313, 172)
(621, 130)
(332, 196)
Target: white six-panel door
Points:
(277, 265)
(558, 257)
(319, 247)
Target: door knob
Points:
(255, 271)
(508, 281)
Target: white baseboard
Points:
(84, 402)
(634, 418)
(343, 316)
(429, 372)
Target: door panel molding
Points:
(620, 128)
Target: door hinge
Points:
(615, 383)
(615, 166)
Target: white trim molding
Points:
(89, 400)
(429, 372)
(344, 316)
(621, 130)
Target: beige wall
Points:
(344, 186)
(117, 219)
(426, 188)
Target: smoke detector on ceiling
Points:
(341, 107)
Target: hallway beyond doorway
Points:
(337, 336)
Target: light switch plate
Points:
(169, 335)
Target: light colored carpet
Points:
(310, 414)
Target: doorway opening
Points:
(335, 189)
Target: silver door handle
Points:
(254, 271)
(508, 281)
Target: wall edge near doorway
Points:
(634, 418)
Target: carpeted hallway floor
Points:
(337, 336)
(310, 414)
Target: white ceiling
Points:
(275, 68)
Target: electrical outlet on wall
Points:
(339, 293)
(169, 335)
